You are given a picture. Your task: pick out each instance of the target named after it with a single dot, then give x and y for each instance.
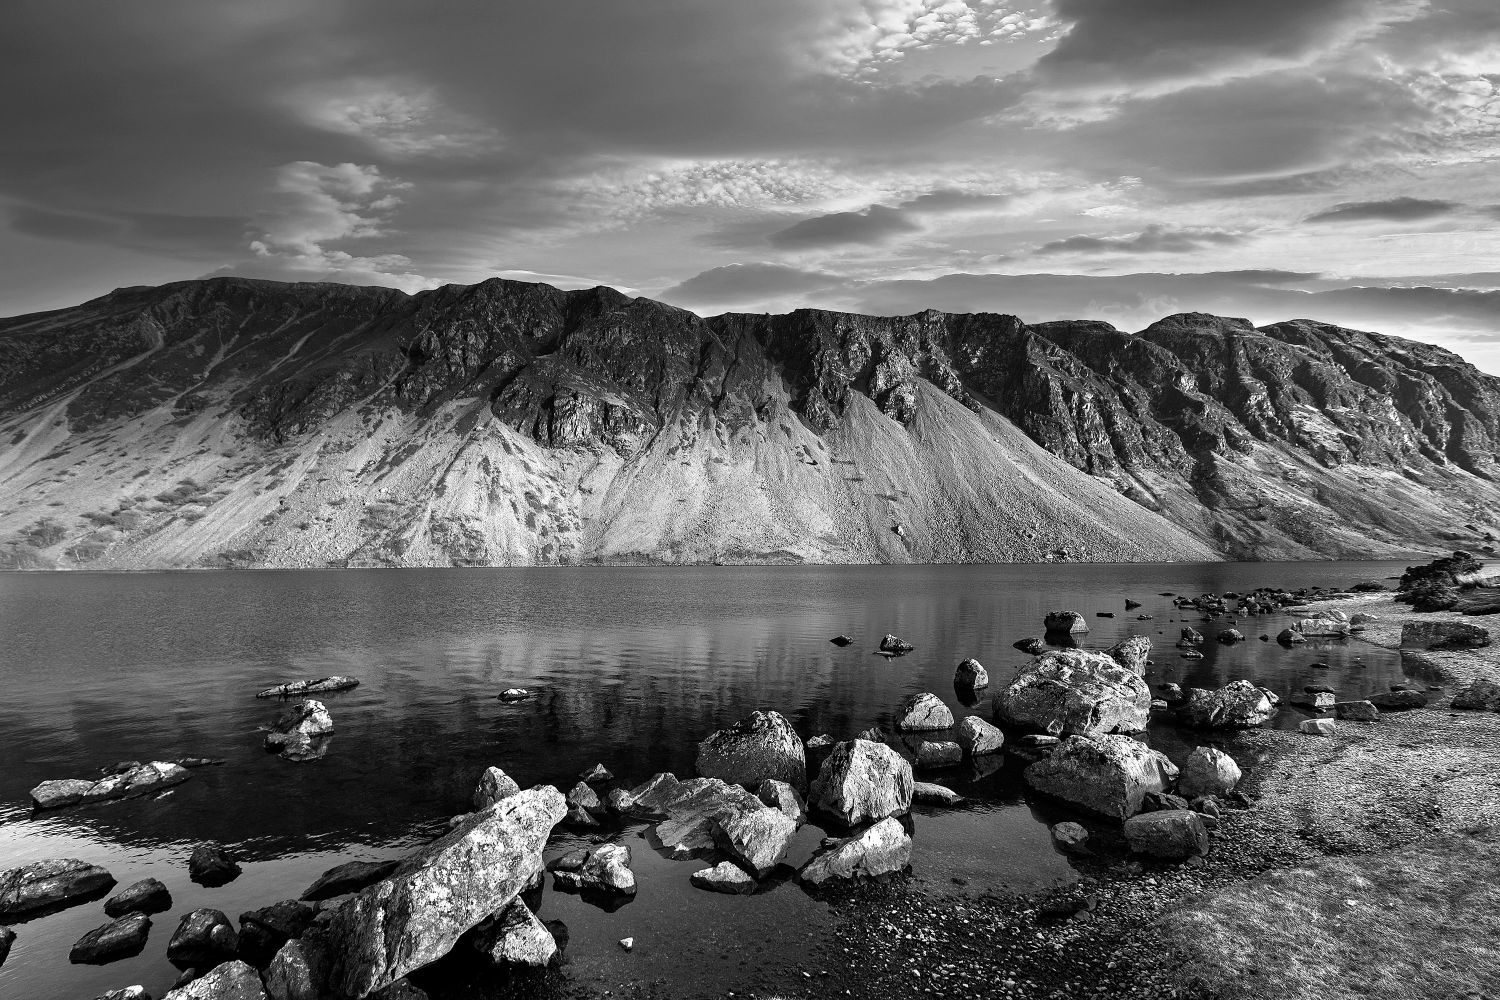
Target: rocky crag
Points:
(231, 422)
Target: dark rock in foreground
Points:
(212, 866)
(264, 931)
(146, 896)
(203, 939)
(48, 885)
(115, 940)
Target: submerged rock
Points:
(442, 891)
(725, 877)
(762, 746)
(514, 695)
(323, 685)
(117, 939)
(879, 850)
(297, 732)
(494, 785)
(1106, 775)
(139, 779)
(49, 885)
(516, 937)
(862, 782)
(1171, 833)
(1032, 645)
(923, 711)
(1290, 637)
(1075, 693)
(895, 645)
(351, 876)
(146, 896)
(841, 640)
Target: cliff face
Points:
(234, 422)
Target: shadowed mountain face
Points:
(247, 423)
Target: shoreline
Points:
(1369, 798)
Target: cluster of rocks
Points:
(301, 731)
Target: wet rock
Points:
(1032, 645)
(690, 820)
(438, 893)
(513, 695)
(977, 737)
(146, 896)
(1238, 704)
(1174, 834)
(1424, 636)
(724, 877)
(1398, 701)
(928, 794)
(298, 732)
(879, 850)
(1356, 711)
(759, 747)
(596, 774)
(212, 866)
(230, 981)
(323, 685)
(894, 645)
(1076, 693)
(1481, 696)
(1207, 771)
(1172, 694)
(862, 782)
(1317, 727)
(494, 785)
(1071, 838)
(204, 938)
(1065, 621)
(841, 640)
(263, 932)
(605, 869)
(1190, 637)
(1290, 637)
(782, 796)
(930, 754)
(1229, 636)
(1131, 605)
(756, 838)
(115, 940)
(923, 711)
(1105, 775)
(50, 885)
(627, 943)
(1132, 653)
(515, 938)
(970, 674)
(141, 779)
(352, 876)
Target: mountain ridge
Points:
(242, 422)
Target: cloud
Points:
(1401, 209)
(951, 200)
(747, 283)
(875, 224)
(1153, 239)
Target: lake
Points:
(631, 667)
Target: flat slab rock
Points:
(323, 685)
(115, 940)
(146, 896)
(140, 780)
(52, 884)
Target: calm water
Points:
(632, 668)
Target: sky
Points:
(1105, 159)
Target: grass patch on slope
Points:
(1421, 921)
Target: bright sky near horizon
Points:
(1109, 159)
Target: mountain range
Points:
(238, 423)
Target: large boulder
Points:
(442, 891)
(351, 876)
(1075, 693)
(115, 940)
(494, 785)
(1169, 833)
(971, 674)
(862, 781)
(1443, 635)
(977, 737)
(204, 938)
(756, 838)
(230, 981)
(138, 779)
(692, 817)
(146, 896)
(923, 711)
(1238, 704)
(879, 850)
(50, 885)
(760, 747)
(1132, 652)
(515, 937)
(1207, 771)
(300, 730)
(1065, 621)
(1105, 775)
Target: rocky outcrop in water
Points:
(138, 779)
(510, 423)
(762, 746)
(1075, 693)
(49, 885)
